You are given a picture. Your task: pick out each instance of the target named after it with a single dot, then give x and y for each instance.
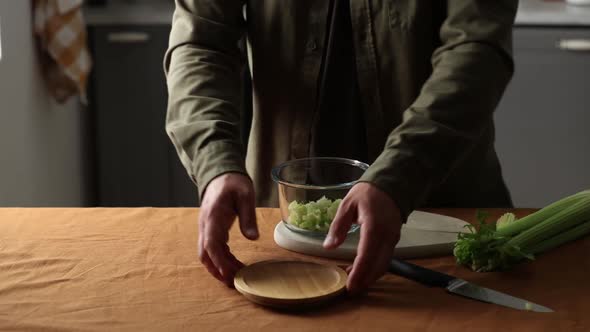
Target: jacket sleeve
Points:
(202, 66)
(471, 69)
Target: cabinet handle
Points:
(128, 37)
(575, 45)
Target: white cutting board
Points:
(424, 235)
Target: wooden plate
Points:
(290, 283)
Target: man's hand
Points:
(380, 221)
(226, 197)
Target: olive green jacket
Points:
(430, 75)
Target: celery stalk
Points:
(569, 217)
(491, 247)
(562, 238)
(517, 226)
(505, 220)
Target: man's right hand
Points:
(227, 196)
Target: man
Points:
(407, 86)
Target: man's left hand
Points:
(380, 220)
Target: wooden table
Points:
(137, 270)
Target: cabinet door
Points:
(543, 139)
(129, 103)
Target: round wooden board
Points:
(287, 284)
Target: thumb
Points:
(345, 217)
(247, 215)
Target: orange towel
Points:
(66, 62)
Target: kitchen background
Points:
(114, 151)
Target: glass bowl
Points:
(311, 189)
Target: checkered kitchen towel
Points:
(66, 63)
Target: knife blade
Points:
(461, 287)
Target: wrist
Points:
(390, 198)
(226, 179)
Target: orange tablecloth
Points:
(137, 270)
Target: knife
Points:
(460, 287)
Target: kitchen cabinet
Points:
(136, 165)
(542, 135)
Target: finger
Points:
(237, 262)
(223, 261)
(382, 263)
(204, 257)
(238, 265)
(215, 244)
(345, 217)
(201, 232)
(379, 265)
(247, 215)
(378, 268)
(368, 247)
(211, 267)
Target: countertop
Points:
(136, 269)
(530, 13)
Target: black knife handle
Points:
(420, 274)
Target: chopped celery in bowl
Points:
(313, 216)
(310, 191)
